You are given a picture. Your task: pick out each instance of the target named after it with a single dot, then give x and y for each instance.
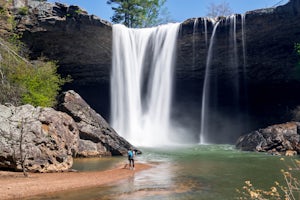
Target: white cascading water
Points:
(232, 42)
(234, 59)
(205, 92)
(194, 44)
(205, 30)
(141, 83)
(244, 39)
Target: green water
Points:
(186, 172)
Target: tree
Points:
(16, 141)
(137, 13)
(222, 9)
(297, 47)
(40, 82)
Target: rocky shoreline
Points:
(46, 140)
(279, 139)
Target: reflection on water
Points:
(97, 164)
(187, 172)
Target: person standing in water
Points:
(131, 159)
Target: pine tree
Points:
(137, 13)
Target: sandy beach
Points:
(13, 185)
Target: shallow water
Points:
(185, 172)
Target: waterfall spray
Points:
(141, 83)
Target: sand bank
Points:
(13, 185)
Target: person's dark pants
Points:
(131, 162)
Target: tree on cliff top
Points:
(138, 13)
(222, 9)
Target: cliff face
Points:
(81, 43)
(253, 76)
(259, 90)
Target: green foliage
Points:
(79, 11)
(23, 10)
(297, 67)
(138, 13)
(22, 82)
(297, 48)
(40, 82)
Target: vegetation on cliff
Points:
(297, 47)
(23, 81)
(136, 14)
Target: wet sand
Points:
(13, 185)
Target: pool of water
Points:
(184, 172)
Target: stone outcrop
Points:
(276, 139)
(46, 140)
(81, 43)
(97, 138)
(38, 139)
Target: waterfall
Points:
(205, 93)
(194, 43)
(141, 83)
(233, 45)
(205, 30)
(233, 61)
(243, 16)
(245, 93)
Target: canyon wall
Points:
(261, 90)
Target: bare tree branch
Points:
(216, 10)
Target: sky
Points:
(179, 10)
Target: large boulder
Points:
(37, 139)
(276, 139)
(97, 138)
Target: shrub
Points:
(23, 10)
(289, 191)
(40, 83)
(297, 47)
(24, 82)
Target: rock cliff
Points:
(97, 138)
(260, 89)
(253, 73)
(46, 140)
